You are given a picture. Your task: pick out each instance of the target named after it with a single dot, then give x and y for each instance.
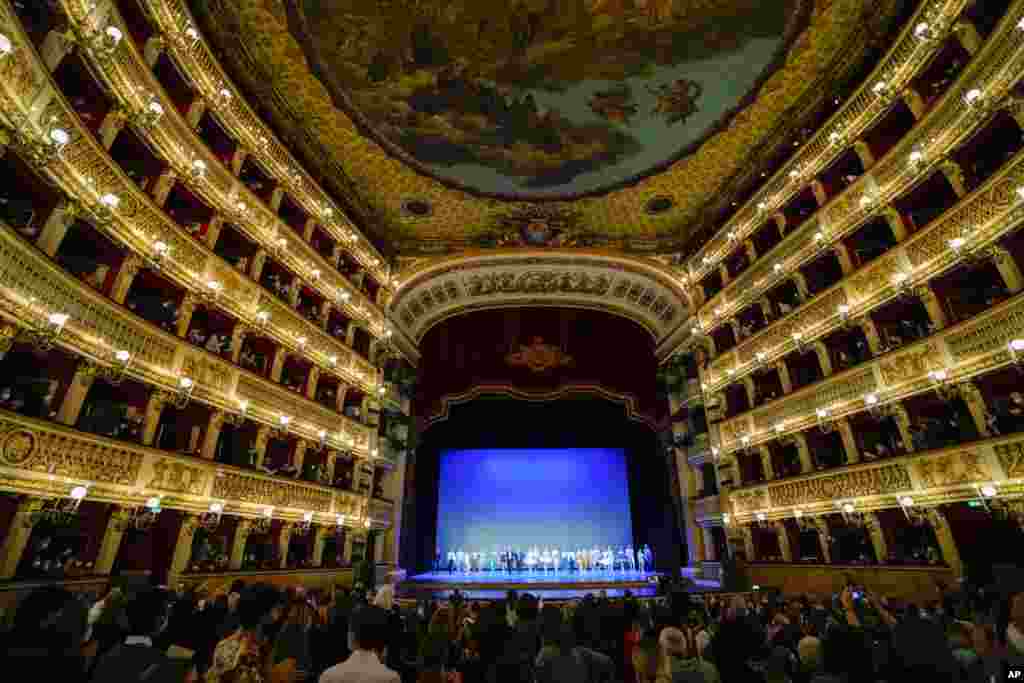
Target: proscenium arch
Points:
(641, 290)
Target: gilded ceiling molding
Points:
(640, 290)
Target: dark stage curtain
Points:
(500, 422)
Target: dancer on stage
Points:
(630, 558)
(648, 558)
(531, 559)
(451, 561)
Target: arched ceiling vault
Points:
(641, 290)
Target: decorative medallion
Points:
(538, 356)
(536, 226)
(17, 447)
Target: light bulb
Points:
(871, 399)
(988, 491)
(5, 45)
(111, 201)
(115, 35)
(906, 501)
(153, 503)
(60, 136)
(156, 108)
(216, 508)
(847, 508)
(58, 319)
(185, 383)
(160, 247)
(79, 492)
(307, 517)
(122, 356)
(957, 243)
(1017, 345)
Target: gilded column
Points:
(849, 442)
(821, 525)
(17, 536)
(183, 547)
(766, 462)
(873, 527)
(804, 453)
(723, 272)
(307, 230)
(331, 460)
(871, 334)
(154, 409)
(955, 175)
(396, 492)
(213, 231)
(212, 435)
(708, 542)
(185, 311)
(277, 366)
(975, 402)
(340, 396)
(112, 124)
(124, 278)
(801, 286)
(842, 253)
(152, 50)
(748, 542)
(1008, 269)
(237, 160)
(299, 456)
(74, 397)
(947, 544)
(163, 186)
(259, 444)
(311, 382)
(284, 542)
(195, 112)
(242, 531)
(780, 223)
(259, 259)
(915, 102)
(864, 153)
(902, 419)
(54, 49)
(276, 197)
(896, 223)
(117, 524)
(824, 359)
(237, 339)
(936, 314)
(319, 541)
(784, 377)
(56, 228)
(967, 33)
(748, 385)
(784, 549)
(346, 555)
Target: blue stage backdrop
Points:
(563, 497)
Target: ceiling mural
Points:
(621, 125)
(544, 98)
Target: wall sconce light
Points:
(262, 318)
(211, 291)
(6, 46)
(238, 418)
(210, 519)
(305, 525)
(762, 207)
(825, 423)
(161, 252)
(843, 310)
(184, 392)
(262, 524)
(883, 92)
(1016, 348)
(943, 389)
(114, 374)
(798, 339)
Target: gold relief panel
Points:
(178, 477)
(65, 456)
(876, 276)
(207, 372)
(749, 501)
(877, 481)
(259, 491)
(846, 389)
(1011, 458)
(992, 333)
(732, 430)
(913, 364)
(951, 469)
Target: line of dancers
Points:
(623, 558)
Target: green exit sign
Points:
(974, 503)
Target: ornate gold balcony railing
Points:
(180, 34)
(948, 475)
(908, 55)
(32, 287)
(86, 172)
(132, 81)
(947, 124)
(963, 351)
(990, 212)
(44, 459)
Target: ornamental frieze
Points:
(951, 469)
(1011, 457)
(911, 365)
(259, 491)
(888, 479)
(532, 282)
(749, 501)
(66, 456)
(177, 477)
(992, 332)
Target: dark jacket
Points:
(132, 663)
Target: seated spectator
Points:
(197, 337)
(46, 638)
(683, 662)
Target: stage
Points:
(488, 585)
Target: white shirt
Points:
(362, 667)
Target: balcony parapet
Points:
(133, 81)
(986, 215)
(965, 350)
(86, 172)
(32, 286)
(172, 19)
(935, 477)
(941, 129)
(41, 458)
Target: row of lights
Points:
(224, 97)
(974, 99)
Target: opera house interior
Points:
(629, 298)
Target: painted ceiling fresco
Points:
(544, 97)
(615, 125)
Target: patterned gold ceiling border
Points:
(627, 401)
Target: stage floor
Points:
(551, 584)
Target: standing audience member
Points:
(366, 664)
(245, 655)
(136, 659)
(45, 641)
